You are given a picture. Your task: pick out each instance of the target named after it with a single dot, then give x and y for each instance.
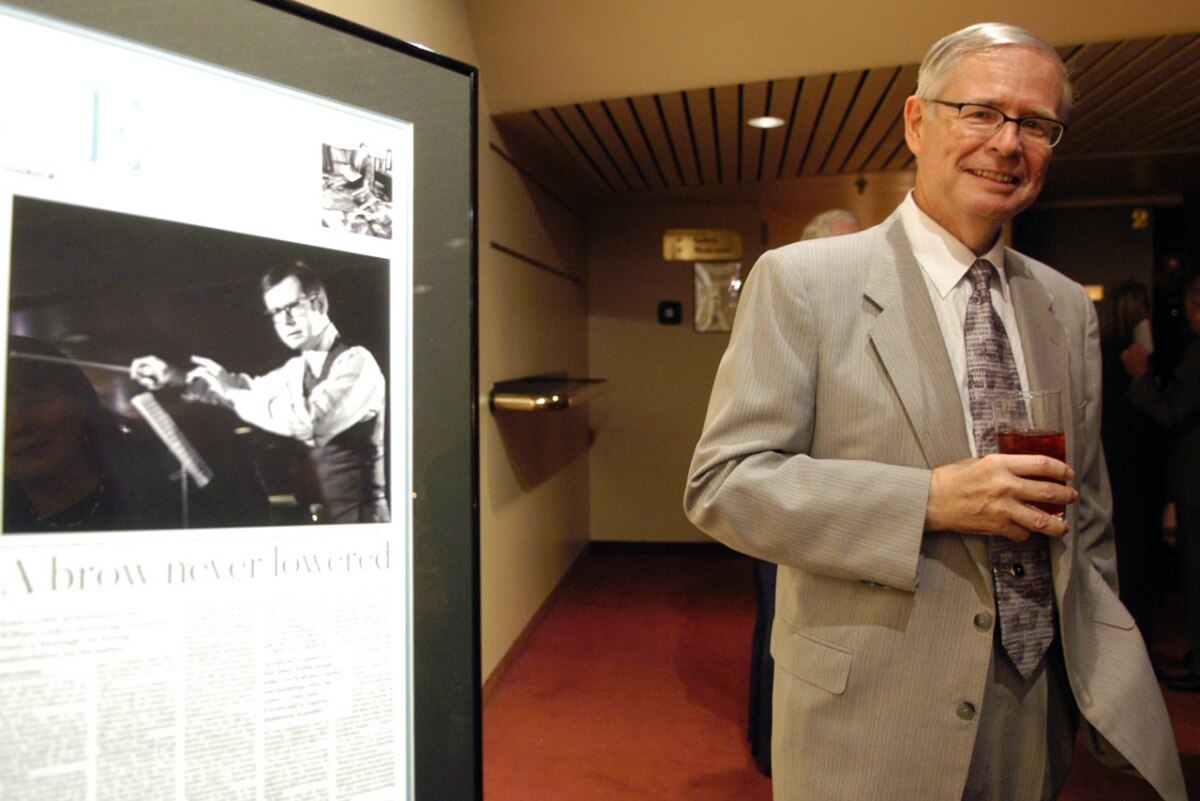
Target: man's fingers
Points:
(1033, 465)
(208, 364)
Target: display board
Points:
(238, 551)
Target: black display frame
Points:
(314, 52)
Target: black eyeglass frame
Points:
(1052, 140)
(289, 309)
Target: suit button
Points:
(983, 621)
(1017, 569)
(966, 710)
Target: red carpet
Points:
(633, 686)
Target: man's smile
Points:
(994, 176)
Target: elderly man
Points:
(329, 396)
(937, 636)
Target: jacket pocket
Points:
(813, 661)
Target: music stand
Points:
(190, 461)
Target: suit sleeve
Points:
(275, 402)
(754, 483)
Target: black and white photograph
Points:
(165, 375)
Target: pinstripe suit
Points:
(832, 405)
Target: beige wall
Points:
(533, 473)
(659, 376)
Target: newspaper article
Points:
(204, 670)
(205, 551)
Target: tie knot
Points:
(981, 274)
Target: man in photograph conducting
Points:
(330, 396)
(937, 636)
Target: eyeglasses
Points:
(987, 121)
(289, 309)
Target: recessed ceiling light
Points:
(765, 123)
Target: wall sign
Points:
(701, 244)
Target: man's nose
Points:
(1008, 139)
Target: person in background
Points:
(1175, 406)
(330, 396)
(848, 440)
(69, 463)
(1133, 449)
(833, 222)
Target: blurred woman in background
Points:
(69, 464)
(1133, 448)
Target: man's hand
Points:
(210, 379)
(992, 496)
(150, 371)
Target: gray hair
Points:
(940, 62)
(823, 224)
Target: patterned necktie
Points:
(1024, 591)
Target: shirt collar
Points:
(944, 259)
(315, 357)
(325, 340)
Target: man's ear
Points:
(914, 118)
(321, 303)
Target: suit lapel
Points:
(908, 339)
(1042, 337)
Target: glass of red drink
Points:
(1031, 422)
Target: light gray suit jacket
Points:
(832, 405)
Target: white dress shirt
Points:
(944, 263)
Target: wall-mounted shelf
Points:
(543, 393)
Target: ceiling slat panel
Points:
(886, 129)
(867, 107)
(551, 120)
(1085, 66)
(606, 144)
(623, 117)
(680, 132)
(883, 152)
(1138, 98)
(1104, 63)
(783, 95)
(1107, 75)
(803, 124)
(754, 104)
(645, 112)
(698, 105)
(1139, 129)
(845, 86)
(900, 157)
(1179, 130)
(857, 115)
(571, 119)
(1124, 116)
(727, 101)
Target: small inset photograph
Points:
(356, 187)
